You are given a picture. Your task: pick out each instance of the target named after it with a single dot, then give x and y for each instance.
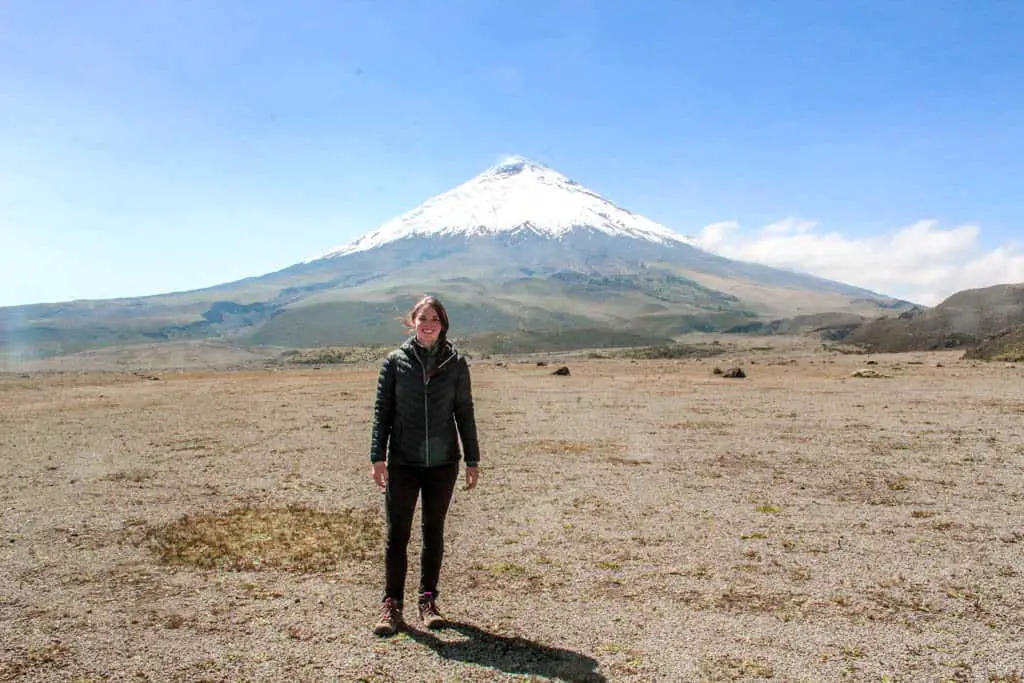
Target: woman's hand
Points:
(380, 474)
(472, 475)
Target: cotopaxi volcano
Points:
(518, 250)
(515, 197)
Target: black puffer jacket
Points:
(420, 415)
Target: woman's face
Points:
(428, 325)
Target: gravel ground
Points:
(635, 521)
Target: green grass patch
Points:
(504, 568)
(734, 669)
(329, 355)
(669, 351)
(900, 483)
(293, 538)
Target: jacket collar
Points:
(415, 350)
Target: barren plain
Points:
(641, 520)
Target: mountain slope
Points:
(518, 248)
(1007, 345)
(962, 320)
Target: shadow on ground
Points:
(511, 655)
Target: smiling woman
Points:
(424, 407)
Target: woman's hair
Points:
(442, 313)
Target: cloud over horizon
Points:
(923, 262)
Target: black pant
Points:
(405, 484)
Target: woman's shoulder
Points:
(396, 355)
(459, 358)
(402, 350)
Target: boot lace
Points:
(428, 608)
(390, 610)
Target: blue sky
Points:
(164, 145)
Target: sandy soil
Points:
(636, 521)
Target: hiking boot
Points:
(390, 618)
(429, 613)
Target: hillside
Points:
(829, 326)
(963, 320)
(1007, 345)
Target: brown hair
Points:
(442, 313)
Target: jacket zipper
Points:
(426, 413)
(426, 402)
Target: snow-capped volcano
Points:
(525, 258)
(515, 196)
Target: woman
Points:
(424, 406)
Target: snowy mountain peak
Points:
(514, 165)
(514, 195)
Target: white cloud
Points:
(921, 262)
(788, 225)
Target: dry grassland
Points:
(636, 521)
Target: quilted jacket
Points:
(420, 414)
